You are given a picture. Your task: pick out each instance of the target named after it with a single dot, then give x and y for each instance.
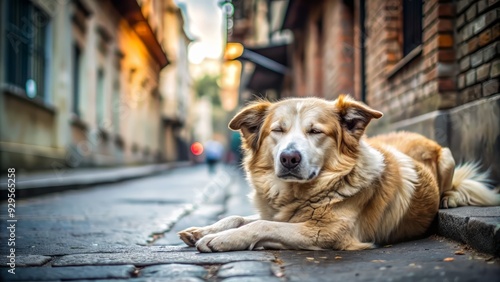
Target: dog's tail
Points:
(470, 187)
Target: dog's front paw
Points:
(222, 242)
(191, 235)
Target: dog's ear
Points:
(355, 116)
(249, 121)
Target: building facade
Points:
(80, 83)
(430, 66)
(176, 86)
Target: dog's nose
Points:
(290, 158)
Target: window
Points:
(100, 98)
(412, 25)
(116, 106)
(26, 51)
(77, 54)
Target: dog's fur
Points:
(320, 184)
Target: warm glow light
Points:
(231, 72)
(197, 148)
(230, 83)
(233, 50)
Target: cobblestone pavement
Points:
(127, 231)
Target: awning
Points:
(271, 64)
(263, 79)
(131, 11)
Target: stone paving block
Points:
(245, 268)
(252, 279)
(26, 260)
(68, 273)
(151, 258)
(151, 279)
(174, 271)
(419, 260)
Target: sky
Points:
(204, 19)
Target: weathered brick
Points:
(491, 51)
(467, 31)
(428, 5)
(446, 9)
(470, 77)
(464, 50)
(482, 5)
(429, 32)
(460, 21)
(495, 68)
(445, 69)
(483, 72)
(476, 59)
(432, 74)
(491, 16)
(472, 45)
(471, 13)
(445, 25)
(478, 24)
(430, 18)
(495, 32)
(446, 55)
(474, 92)
(461, 5)
(445, 40)
(465, 64)
(461, 81)
(490, 87)
(446, 84)
(485, 37)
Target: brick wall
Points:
(339, 49)
(477, 49)
(423, 80)
(455, 64)
(323, 51)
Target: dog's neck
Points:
(367, 167)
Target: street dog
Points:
(319, 183)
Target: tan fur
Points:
(345, 192)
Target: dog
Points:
(319, 183)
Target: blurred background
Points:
(90, 83)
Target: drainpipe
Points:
(363, 49)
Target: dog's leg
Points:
(283, 235)
(191, 235)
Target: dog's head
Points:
(297, 138)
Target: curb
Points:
(478, 227)
(37, 187)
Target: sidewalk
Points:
(166, 258)
(39, 183)
(478, 227)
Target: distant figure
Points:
(213, 154)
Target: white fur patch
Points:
(370, 162)
(398, 208)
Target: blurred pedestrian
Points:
(213, 154)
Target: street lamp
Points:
(228, 11)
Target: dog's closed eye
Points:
(277, 129)
(314, 131)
